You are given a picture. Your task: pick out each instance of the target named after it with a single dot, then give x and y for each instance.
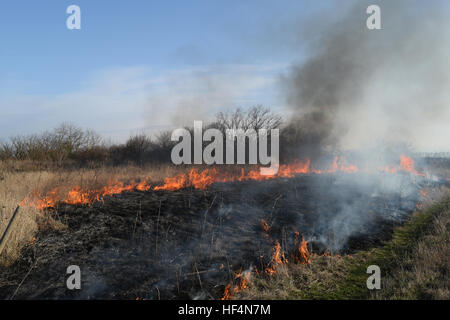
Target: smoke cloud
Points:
(198, 93)
(370, 91)
(362, 88)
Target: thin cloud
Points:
(118, 101)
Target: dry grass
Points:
(299, 281)
(17, 181)
(415, 264)
(439, 168)
(423, 273)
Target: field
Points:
(239, 239)
(19, 179)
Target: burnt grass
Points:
(189, 243)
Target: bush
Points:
(57, 145)
(68, 142)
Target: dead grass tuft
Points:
(415, 264)
(17, 182)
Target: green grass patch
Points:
(404, 274)
(388, 257)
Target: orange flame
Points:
(407, 164)
(278, 258)
(423, 193)
(278, 255)
(303, 249)
(231, 289)
(200, 180)
(264, 225)
(79, 196)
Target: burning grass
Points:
(224, 234)
(19, 182)
(93, 191)
(193, 243)
(414, 265)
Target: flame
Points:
(423, 193)
(242, 281)
(278, 258)
(78, 195)
(200, 180)
(278, 255)
(264, 225)
(343, 167)
(407, 164)
(228, 292)
(303, 249)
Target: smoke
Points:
(371, 91)
(360, 87)
(362, 206)
(197, 93)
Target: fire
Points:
(264, 225)
(343, 167)
(278, 258)
(78, 196)
(270, 271)
(303, 249)
(32, 241)
(278, 255)
(423, 193)
(407, 164)
(242, 281)
(229, 291)
(201, 180)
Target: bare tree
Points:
(257, 117)
(56, 145)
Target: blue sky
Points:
(130, 48)
(160, 34)
(147, 65)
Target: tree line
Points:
(71, 145)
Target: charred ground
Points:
(190, 243)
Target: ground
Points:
(414, 265)
(192, 243)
